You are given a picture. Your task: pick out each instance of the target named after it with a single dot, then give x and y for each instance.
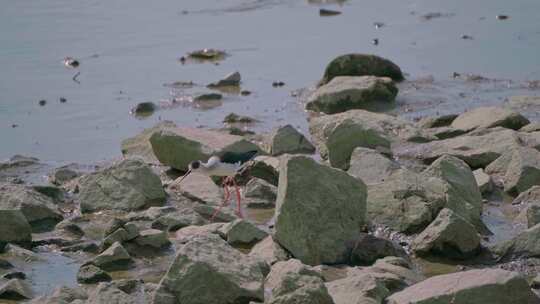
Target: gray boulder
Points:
(281, 269)
(287, 139)
(370, 166)
(128, 185)
(319, 209)
(358, 289)
(525, 245)
(62, 295)
(260, 194)
(367, 248)
(489, 117)
(232, 79)
(241, 232)
(448, 235)
(532, 127)
(152, 238)
(139, 145)
(14, 228)
(178, 219)
(437, 122)
(530, 199)
(301, 289)
(519, 169)
(493, 286)
(207, 270)
(483, 180)
(185, 234)
(90, 274)
(269, 251)
(15, 289)
(115, 257)
(361, 65)
(108, 293)
(180, 146)
(353, 92)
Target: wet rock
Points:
(292, 266)
(185, 234)
(483, 180)
(5, 264)
(16, 251)
(14, 228)
(241, 232)
(42, 102)
(63, 174)
(353, 92)
(532, 127)
(437, 122)
(525, 244)
(337, 135)
(150, 214)
(363, 288)
(260, 194)
(108, 293)
(448, 235)
(269, 251)
(434, 15)
(178, 219)
(125, 233)
(232, 79)
(361, 65)
(301, 289)
(287, 139)
(139, 145)
(494, 286)
(207, 270)
(38, 209)
(223, 215)
(15, 289)
(57, 194)
(531, 200)
(128, 185)
(207, 54)
(153, 238)
(207, 97)
(144, 109)
(14, 275)
(370, 166)
(327, 12)
(90, 274)
(19, 161)
(318, 210)
(115, 257)
(180, 146)
(265, 168)
(489, 117)
(235, 118)
(84, 246)
(366, 249)
(62, 295)
(445, 132)
(519, 169)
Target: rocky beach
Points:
(370, 186)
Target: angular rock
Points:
(14, 228)
(445, 132)
(180, 146)
(153, 238)
(531, 200)
(139, 145)
(363, 288)
(526, 244)
(129, 185)
(448, 235)
(108, 293)
(207, 270)
(178, 219)
(366, 249)
(337, 135)
(519, 169)
(532, 127)
(361, 65)
(63, 295)
(223, 215)
(370, 166)
(269, 251)
(489, 117)
(301, 289)
(90, 274)
(483, 180)
(260, 194)
(144, 109)
(200, 188)
(36, 207)
(287, 139)
(232, 79)
(281, 269)
(494, 286)
(63, 175)
(437, 122)
(345, 93)
(319, 209)
(115, 257)
(15, 289)
(265, 168)
(185, 234)
(241, 232)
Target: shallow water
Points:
(129, 50)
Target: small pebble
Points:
(14, 125)
(245, 93)
(275, 84)
(327, 12)
(63, 100)
(375, 41)
(466, 37)
(42, 102)
(502, 17)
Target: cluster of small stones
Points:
(347, 229)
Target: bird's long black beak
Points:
(185, 175)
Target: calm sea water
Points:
(129, 50)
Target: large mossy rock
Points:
(139, 145)
(37, 208)
(180, 146)
(483, 286)
(318, 211)
(207, 270)
(353, 92)
(336, 136)
(489, 117)
(519, 168)
(449, 235)
(14, 228)
(361, 65)
(129, 185)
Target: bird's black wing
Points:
(238, 157)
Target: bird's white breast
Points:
(222, 169)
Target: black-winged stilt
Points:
(228, 165)
(72, 63)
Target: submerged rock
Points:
(319, 209)
(208, 54)
(493, 286)
(287, 139)
(448, 235)
(128, 185)
(361, 65)
(232, 79)
(144, 109)
(207, 270)
(14, 228)
(180, 146)
(489, 117)
(235, 118)
(353, 92)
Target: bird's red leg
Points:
(227, 196)
(238, 199)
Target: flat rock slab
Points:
(489, 117)
(353, 92)
(201, 188)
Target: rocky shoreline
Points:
(356, 223)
